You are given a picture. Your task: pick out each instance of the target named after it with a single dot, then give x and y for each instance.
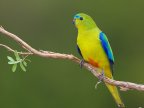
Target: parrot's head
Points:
(83, 21)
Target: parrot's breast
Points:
(91, 48)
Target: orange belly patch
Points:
(92, 62)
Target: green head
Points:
(83, 21)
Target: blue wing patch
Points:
(107, 48)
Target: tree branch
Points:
(47, 54)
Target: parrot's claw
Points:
(81, 63)
(100, 78)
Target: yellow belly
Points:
(91, 49)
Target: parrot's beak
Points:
(73, 21)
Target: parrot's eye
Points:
(81, 18)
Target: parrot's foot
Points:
(100, 78)
(82, 62)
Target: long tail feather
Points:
(113, 90)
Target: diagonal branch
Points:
(47, 54)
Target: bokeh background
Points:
(51, 83)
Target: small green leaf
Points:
(17, 55)
(10, 58)
(13, 62)
(25, 63)
(22, 67)
(28, 60)
(14, 67)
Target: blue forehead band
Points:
(76, 16)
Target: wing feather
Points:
(107, 48)
(79, 51)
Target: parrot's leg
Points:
(100, 78)
(82, 62)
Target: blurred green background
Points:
(47, 25)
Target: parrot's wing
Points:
(107, 48)
(79, 51)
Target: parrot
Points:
(95, 49)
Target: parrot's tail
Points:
(115, 94)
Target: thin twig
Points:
(11, 50)
(48, 54)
